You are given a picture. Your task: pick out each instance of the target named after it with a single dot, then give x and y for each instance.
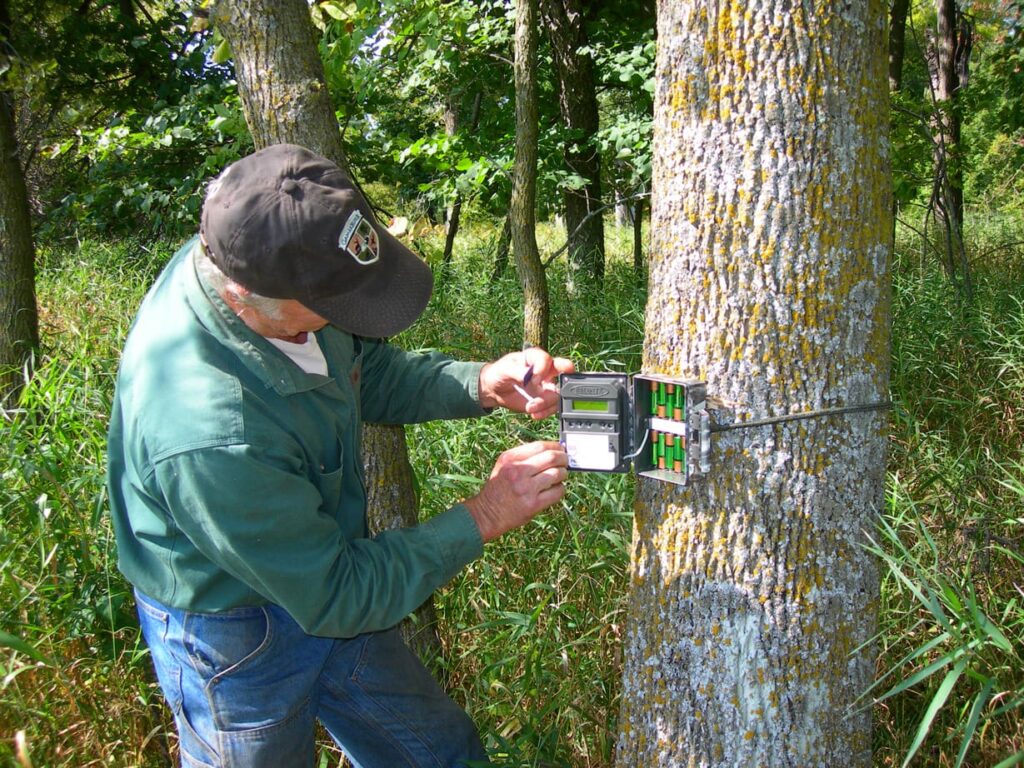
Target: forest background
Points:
(123, 111)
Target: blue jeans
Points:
(247, 686)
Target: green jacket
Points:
(235, 477)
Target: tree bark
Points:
(897, 42)
(523, 207)
(451, 125)
(638, 236)
(391, 495)
(952, 40)
(501, 250)
(19, 315)
(578, 104)
(753, 599)
(280, 75)
(285, 98)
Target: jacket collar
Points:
(257, 354)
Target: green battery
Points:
(654, 398)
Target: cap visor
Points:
(388, 303)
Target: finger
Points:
(541, 404)
(550, 496)
(543, 413)
(524, 451)
(542, 462)
(552, 476)
(564, 365)
(531, 466)
(541, 363)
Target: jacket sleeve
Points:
(246, 510)
(399, 387)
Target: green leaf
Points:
(222, 52)
(15, 643)
(334, 10)
(927, 648)
(996, 635)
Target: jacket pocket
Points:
(329, 479)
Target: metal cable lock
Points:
(879, 406)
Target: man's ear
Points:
(238, 291)
(235, 295)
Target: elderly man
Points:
(236, 483)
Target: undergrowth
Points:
(532, 632)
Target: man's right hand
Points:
(525, 480)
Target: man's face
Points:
(293, 323)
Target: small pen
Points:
(526, 380)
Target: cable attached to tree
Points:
(881, 405)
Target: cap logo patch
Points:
(359, 239)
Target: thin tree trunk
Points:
(897, 42)
(564, 20)
(951, 48)
(19, 315)
(753, 598)
(501, 250)
(391, 494)
(285, 98)
(451, 126)
(523, 208)
(897, 48)
(638, 236)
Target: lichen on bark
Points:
(752, 597)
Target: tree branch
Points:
(587, 218)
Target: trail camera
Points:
(658, 426)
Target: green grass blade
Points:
(957, 655)
(938, 700)
(972, 720)
(910, 657)
(1015, 759)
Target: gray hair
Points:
(221, 283)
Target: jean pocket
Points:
(219, 643)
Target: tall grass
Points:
(76, 688)
(532, 632)
(951, 683)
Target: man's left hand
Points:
(524, 381)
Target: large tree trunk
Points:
(19, 316)
(523, 208)
(285, 98)
(280, 74)
(752, 596)
(578, 104)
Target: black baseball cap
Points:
(289, 224)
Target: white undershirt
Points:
(308, 356)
